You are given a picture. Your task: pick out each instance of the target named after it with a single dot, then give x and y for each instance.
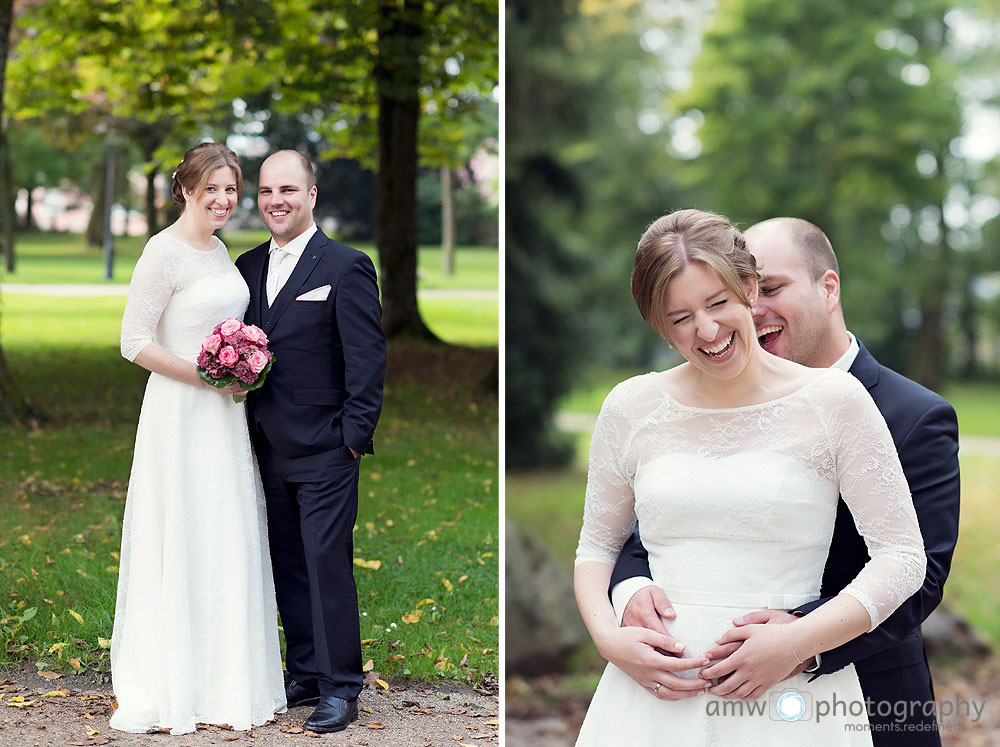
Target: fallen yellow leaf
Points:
(383, 684)
(92, 732)
(62, 692)
(76, 616)
(18, 701)
(447, 585)
(50, 675)
(57, 647)
(368, 666)
(462, 579)
(422, 602)
(103, 642)
(409, 618)
(441, 664)
(492, 722)
(75, 663)
(373, 564)
(376, 725)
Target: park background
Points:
(397, 104)
(879, 122)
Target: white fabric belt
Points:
(737, 599)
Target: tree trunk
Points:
(29, 203)
(968, 323)
(8, 216)
(397, 76)
(152, 225)
(447, 224)
(95, 227)
(930, 357)
(13, 407)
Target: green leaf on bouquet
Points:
(228, 379)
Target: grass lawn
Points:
(428, 510)
(63, 258)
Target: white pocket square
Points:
(316, 294)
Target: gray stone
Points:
(543, 625)
(947, 635)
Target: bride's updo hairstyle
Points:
(675, 240)
(198, 165)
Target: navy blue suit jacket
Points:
(925, 430)
(325, 387)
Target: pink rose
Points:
(228, 356)
(257, 361)
(255, 334)
(211, 344)
(230, 326)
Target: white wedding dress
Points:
(736, 508)
(195, 631)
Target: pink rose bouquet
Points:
(235, 352)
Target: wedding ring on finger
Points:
(656, 689)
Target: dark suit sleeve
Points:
(929, 455)
(359, 321)
(633, 561)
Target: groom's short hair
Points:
(812, 243)
(304, 163)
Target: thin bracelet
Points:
(790, 645)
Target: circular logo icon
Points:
(791, 706)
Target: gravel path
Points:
(407, 715)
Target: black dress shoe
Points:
(332, 714)
(299, 695)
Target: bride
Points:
(732, 463)
(195, 632)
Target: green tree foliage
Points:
(546, 108)
(839, 114)
(583, 180)
(156, 74)
(382, 71)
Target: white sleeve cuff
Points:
(622, 593)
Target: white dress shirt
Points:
(282, 260)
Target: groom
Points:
(798, 317)
(317, 301)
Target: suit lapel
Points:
(310, 258)
(258, 298)
(865, 368)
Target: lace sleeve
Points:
(874, 488)
(609, 507)
(153, 283)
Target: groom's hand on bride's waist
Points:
(645, 610)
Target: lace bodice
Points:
(177, 296)
(743, 499)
